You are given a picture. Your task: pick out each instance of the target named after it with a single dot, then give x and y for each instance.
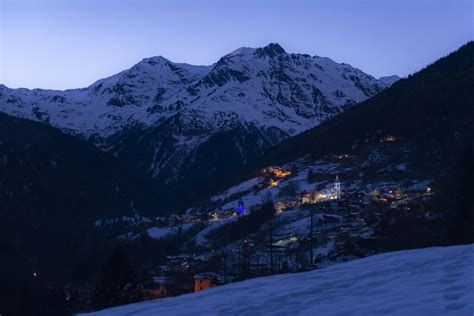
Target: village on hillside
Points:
(297, 217)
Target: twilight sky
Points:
(60, 44)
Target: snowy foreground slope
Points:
(432, 281)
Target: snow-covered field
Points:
(432, 281)
(160, 232)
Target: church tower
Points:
(337, 188)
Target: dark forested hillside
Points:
(40, 167)
(215, 164)
(53, 187)
(432, 110)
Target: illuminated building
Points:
(280, 206)
(277, 172)
(281, 173)
(306, 199)
(337, 188)
(204, 281)
(389, 138)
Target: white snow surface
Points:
(431, 281)
(241, 187)
(160, 232)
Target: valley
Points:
(167, 178)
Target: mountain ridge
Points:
(161, 115)
(429, 110)
(118, 88)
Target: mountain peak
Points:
(242, 51)
(271, 50)
(155, 60)
(389, 80)
(275, 47)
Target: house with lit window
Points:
(164, 286)
(204, 281)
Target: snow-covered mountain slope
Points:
(265, 85)
(269, 87)
(108, 105)
(431, 281)
(181, 122)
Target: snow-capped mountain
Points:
(168, 117)
(108, 105)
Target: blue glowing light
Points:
(240, 209)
